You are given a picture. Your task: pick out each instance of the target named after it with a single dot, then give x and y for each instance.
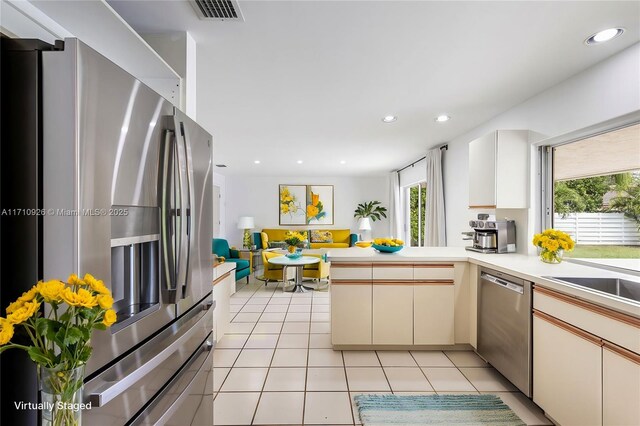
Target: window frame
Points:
(545, 161)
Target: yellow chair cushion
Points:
(265, 240)
(328, 245)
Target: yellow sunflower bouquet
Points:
(58, 336)
(552, 244)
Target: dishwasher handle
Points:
(503, 283)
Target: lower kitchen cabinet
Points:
(620, 385)
(351, 313)
(433, 313)
(221, 294)
(567, 372)
(392, 313)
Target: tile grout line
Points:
(346, 379)
(255, 412)
(384, 372)
(460, 371)
(422, 371)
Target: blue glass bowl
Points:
(387, 249)
(293, 255)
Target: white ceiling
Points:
(311, 80)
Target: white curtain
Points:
(396, 216)
(435, 231)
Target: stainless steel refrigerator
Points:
(127, 195)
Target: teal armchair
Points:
(220, 247)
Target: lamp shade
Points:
(246, 222)
(364, 224)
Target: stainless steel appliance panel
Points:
(199, 184)
(108, 123)
(190, 383)
(120, 392)
(504, 326)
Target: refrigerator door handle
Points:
(168, 212)
(189, 206)
(183, 251)
(111, 390)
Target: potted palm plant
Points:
(368, 212)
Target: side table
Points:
(253, 256)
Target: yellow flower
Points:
(74, 280)
(51, 290)
(99, 287)
(27, 296)
(23, 313)
(284, 208)
(6, 331)
(315, 198)
(105, 301)
(109, 317)
(82, 298)
(312, 211)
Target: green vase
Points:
(548, 256)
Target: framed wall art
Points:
(320, 204)
(292, 202)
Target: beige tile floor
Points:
(276, 367)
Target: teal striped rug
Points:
(420, 410)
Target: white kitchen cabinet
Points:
(351, 313)
(567, 372)
(499, 170)
(392, 314)
(433, 314)
(620, 386)
(221, 294)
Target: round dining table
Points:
(298, 264)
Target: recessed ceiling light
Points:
(442, 118)
(256, 162)
(343, 162)
(604, 35)
(299, 161)
(389, 118)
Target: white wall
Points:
(605, 91)
(258, 197)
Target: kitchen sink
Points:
(626, 289)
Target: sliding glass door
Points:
(415, 197)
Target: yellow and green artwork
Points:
(305, 204)
(292, 199)
(320, 204)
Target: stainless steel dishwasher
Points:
(504, 326)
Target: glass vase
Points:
(61, 392)
(548, 256)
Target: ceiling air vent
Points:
(217, 9)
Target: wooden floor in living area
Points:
(276, 367)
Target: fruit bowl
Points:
(387, 249)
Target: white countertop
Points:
(530, 268)
(222, 268)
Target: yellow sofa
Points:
(342, 238)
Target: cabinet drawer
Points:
(392, 271)
(615, 327)
(351, 271)
(433, 272)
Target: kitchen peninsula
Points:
(586, 344)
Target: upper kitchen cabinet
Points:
(499, 170)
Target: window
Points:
(415, 208)
(595, 196)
